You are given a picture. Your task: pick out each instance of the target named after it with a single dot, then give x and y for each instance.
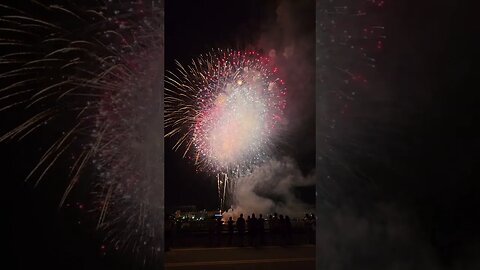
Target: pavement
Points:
(240, 258)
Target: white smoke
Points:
(269, 188)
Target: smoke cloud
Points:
(269, 188)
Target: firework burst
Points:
(226, 109)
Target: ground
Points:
(239, 258)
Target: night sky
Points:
(405, 189)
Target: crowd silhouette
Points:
(252, 231)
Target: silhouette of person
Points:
(261, 229)
(288, 230)
(241, 228)
(249, 230)
(270, 228)
(274, 228)
(253, 230)
(230, 230)
(218, 229)
(282, 228)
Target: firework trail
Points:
(226, 109)
(90, 73)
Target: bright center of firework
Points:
(235, 127)
(227, 109)
(238, 126)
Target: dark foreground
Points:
(233, 258)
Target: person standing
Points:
(254, 232)
(218, 231)
(261, 229)
(241, 228)
(288, 230)
(249, 230)
(230, 230)
(274, 229)
(282, 229)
